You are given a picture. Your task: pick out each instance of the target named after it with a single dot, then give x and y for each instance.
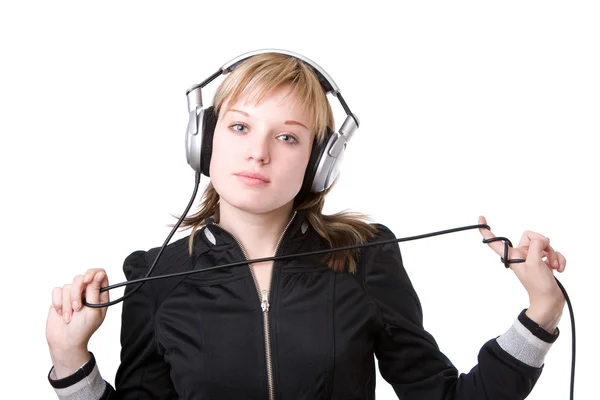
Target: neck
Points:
(258, 233)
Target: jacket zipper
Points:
(264, 305)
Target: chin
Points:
(256, 200)
(256, 204)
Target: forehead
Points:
(282, 99)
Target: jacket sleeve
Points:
(143, 373)
(410, 359)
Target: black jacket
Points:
(203, 336)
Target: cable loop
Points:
(507, 243)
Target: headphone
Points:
(325, 159)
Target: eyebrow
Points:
(288, 122)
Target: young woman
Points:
(305, 328)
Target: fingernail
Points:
(66, 317)
(76, 305)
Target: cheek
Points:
(218, 164)
(219, 152)
(295, 169)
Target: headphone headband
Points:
(194, 95)
(328, 83)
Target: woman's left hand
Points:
(536, 274)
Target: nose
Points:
(258, 148)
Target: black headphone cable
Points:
(147, 278)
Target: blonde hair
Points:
(255, 77)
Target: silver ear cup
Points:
(329, 163)
(335, 170)
(193, 140)
(331, 159)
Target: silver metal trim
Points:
(325, 164)
(193, 140)
(194, 99)
(348, 128)
(209, 235)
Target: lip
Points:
(252, 177)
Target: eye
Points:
(287, 139)
(239, 128)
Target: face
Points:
(260, 152)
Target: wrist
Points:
(546, 315)
(67, 362)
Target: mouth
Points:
(252, 178)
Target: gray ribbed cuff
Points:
(89, 388)
(523, 345)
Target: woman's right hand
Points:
(70, 325)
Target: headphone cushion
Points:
(209, 122)
(316, 154)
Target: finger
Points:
(104, 296)
(547, 262)
(66, 303)
(559, 262)
(562, 262)
(57, 300)
(552, 256)
(548, 251)
(90, 273)
(528, 236)
(546, 259)
(535, 250)
(497, 246)
(77, 288)
(92, 292)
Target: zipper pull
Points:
(264, 303)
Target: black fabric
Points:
(537, 330)
(209, 122)
(85, 370)
(202, 336)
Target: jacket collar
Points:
(213, 235)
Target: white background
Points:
(467, 108)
